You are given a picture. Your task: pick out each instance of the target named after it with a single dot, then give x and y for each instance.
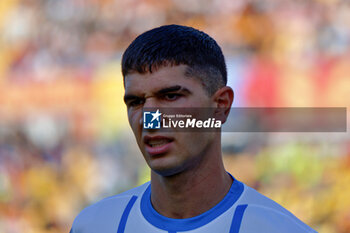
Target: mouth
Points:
(157, 144)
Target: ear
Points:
(223, 99)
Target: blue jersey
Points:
(242, 210)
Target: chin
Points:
(166, 170)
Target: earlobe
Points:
(223, 99)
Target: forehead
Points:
(161, 78)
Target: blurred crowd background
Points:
(64, 137)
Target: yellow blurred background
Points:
(64, 137)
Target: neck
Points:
(191, 192)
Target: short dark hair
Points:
(178, 45)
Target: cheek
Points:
(202, 101)
(134, 120)
(192, 143)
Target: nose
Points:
(150, 103)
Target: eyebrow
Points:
(176, 88)
(172, 89)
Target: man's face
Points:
(171, 152)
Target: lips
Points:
(156, 145)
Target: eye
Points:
(136, 102)
(172, 96)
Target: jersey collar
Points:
(187, 224)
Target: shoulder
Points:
(105, 211)
(252, 197)
(268, 216)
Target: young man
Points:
(190, 191)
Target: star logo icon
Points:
(156, 115)
(151, 120)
